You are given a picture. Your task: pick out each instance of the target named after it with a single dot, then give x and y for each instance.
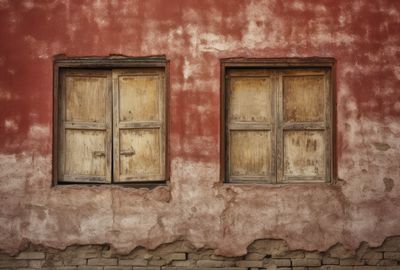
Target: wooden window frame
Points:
(107, 63)
(279, 64)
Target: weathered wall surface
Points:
(266, 254)
(363, 205)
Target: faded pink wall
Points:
(364, 205)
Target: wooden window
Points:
(277, 120)
(110, 120)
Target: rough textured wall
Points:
(364, 204)
(266, 254)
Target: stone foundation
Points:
(181, 255)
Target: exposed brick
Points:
(74, 261)
(372, 255)
(107, 254)
(193, 256)
(157, 262)
(390, 244)
(142, 254)
(329, 260)
(102, 261)
(387, 262)
(335, 267)
(312, 255)
(277, 262)
(205, 255)
(178, 246)
(117, 268)
(36, 263)
(85, 267)
(339, 251)
(306, 262)
(298, 254)
(13, 263)
(146, 268)
(178, 268)
(73, 258)
(31, 256)
(184, 263)
(225, 268)
(351, 261)
(135, 262)
(53, 260)
(362, 249)
(222, 258)
(271, 247)
(211, 263)
(392, 255)
(89, 252)
(254, 256)
(249, 263)
(366, 267)
(5, 257)
(372, 262)
(175, 257)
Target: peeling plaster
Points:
(195, 205)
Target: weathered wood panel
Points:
(250, 153)
(304, 155)
(85, 153)
(85, 131)
(251, 99)
(304, 98)
(86, 99)
(139, 98)
(140, 154)
(139, 125)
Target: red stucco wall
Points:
(364, 205)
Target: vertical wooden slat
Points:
(134, 162)
(275, 86)
(279, 133)
(304, 121)
(250, 126)
(109, 120)
(116, 131)
(87, 128)
(328, 126)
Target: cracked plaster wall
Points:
(364, 204)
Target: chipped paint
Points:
(363, 205)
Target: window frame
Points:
(276, 64)
(61, 62)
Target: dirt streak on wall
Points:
(363, 205)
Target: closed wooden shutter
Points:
(85, 126)
(304, 130)
(139, 125)
(251, 125)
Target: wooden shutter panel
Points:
(251, 126)
(304, 132)
(139, 125)
(85, 126)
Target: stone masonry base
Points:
(181, 255)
